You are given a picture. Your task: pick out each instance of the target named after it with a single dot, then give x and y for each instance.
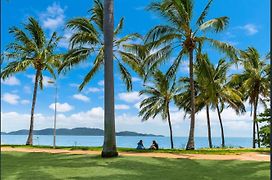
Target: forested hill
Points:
(76, 132)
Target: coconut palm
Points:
(160, 94)
(186, 38)
(253, 82)
(88, 40)
(31, 49)
(212, 91)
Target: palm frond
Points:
(75, 56)
(225, 48)
(14, 67)
(119, 27)
(125, 76)
(204, 13)
(97, 14)
(97, 64)
(36, 31)
(173, 69)
(216, 24)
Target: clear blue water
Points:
(123, 141)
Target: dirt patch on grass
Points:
(249, 156)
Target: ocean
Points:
(124, 141)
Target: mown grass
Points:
(221, 151)
(26, 166)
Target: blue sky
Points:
(249, 26)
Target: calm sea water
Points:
(123, 141)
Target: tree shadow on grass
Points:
(84, 167)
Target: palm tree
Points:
(160, 94)
(32, 49)
(88, 39)
(211, 90)
(253, 82)
(179, 33)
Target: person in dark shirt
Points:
(140, 145)
(154, 145)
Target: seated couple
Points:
(154, 145)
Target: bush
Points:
(265, 129)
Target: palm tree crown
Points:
(88, 40)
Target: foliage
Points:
(265, 133)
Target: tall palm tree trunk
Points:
(209, 126)
(258, 134)
(254, 138)
(221, 126)
(254, 122)
(191, 143)
(170, 128)
(30, 133)
(109, 146)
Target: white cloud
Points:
(45, 80)
(53, 18)
(130, 97)
(93, 89)
(24, 101)
(11, 121)
(121, 107)
(10, 98)
(250, 29)
(135, 79)
(101, 83)
(81, 97)
(95, 114)
(64, 107)
(11, 81)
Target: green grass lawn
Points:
(39, 166)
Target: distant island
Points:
(76, 132)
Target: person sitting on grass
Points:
(140, 145)
(154, 145)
